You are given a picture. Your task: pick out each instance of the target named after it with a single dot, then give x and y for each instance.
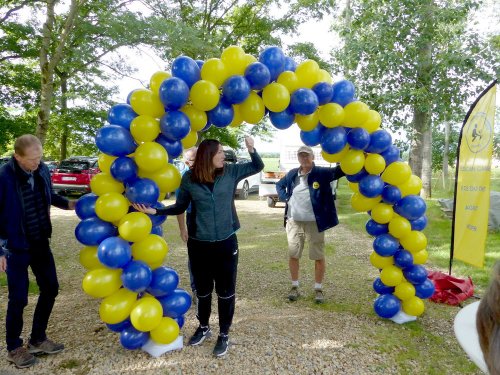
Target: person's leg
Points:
(319, 270)
(295, 236)
(317, 253)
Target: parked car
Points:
(73, 175)
(52, 165)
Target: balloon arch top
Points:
(124, 250)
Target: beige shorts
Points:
(298, 232)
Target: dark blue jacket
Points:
(320, 190)
(12, 227)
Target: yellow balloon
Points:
(145, 128)
(151, 156)
(250, 59)
(204, 95)
(414, 241)
(197, 118)
(276, 97)
(168, 178)
(354, 186)
(104, 161)
(103, 183)
(399, 227)
(89, 259)
(331, 115)
(190, 140)
(215, 71)
(307, 122)
(146, 314)
(391, 275)
(308, 73)
(420, 257)
(237, 117)
(102, 282)
(362, 204)
(397, 173)
(152, 249)
(252, 109)
(166, 332)
(382, 213)
(356, 113)
(411, 187)
(374, 163)
(117, 307)
(379, 261)
(372, 122)
(324, 76)
(335, 158)
(157, 79)
(413, 306)
(404, 291)
(289, 80)
(144, 102)
(134, 226)
(353, 162)
(235, 60)
(111, 207)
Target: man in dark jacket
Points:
(25, 198)
(310, 210)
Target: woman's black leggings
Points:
(215, 263)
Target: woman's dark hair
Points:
(488, 323)
(203, 170)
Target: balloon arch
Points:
(124, 250)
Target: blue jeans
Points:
(40, 259)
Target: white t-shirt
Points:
(300, 206)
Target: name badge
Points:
(315, 185)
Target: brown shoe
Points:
(319, 297)
(293, 294)
(21, 357)
(46, 347)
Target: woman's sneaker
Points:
(21, 357)
(46, 347)
(221, 346)
(200, 335)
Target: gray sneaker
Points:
(46, 347)
(319, 297)
(294, 294)
(21, 357)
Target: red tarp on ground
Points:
(449, 289)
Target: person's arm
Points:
(3, 263)
(240, 171)
(181, 220)
(336, 173)
(281, 189)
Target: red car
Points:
(73, 175)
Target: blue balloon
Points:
(425, 289)
(180, 321)
(334, 140)
(274, 59)
(375, 229)
(114, 252)
(343, 92)
(391, 194)
(157, 229)
(207, 126)
(174, 93)
(282, 120)
(386, 306)
(118, 327)
(175, 125)
(143, 191)
(176, 303)
(157, 220)
(357, 176)
(290, 64)
(381, 288)
(403, 258)
(323, 91)
(121, 114)
(132, 339)
(85, 206)
(415, 274)
(380, 140)
(222, 115)
(124, 169)
(129, 95)
(115, 140)
(136, 276)
(303, 102)
(257, 75)
(200, 63)
(419, 224)
(411, 207)
(165, 281)
(93, 231)
(235, 90)
(174, 148)
(371, 186)
(312, 138)
(187, 69)
(358, 138)
(390, 155)
(385, 245)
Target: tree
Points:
(417, 63)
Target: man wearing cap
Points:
(309, 212)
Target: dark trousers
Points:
(215, 263)
(191, 278)
(40, 259)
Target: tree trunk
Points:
(446, 152)
(64, 108)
